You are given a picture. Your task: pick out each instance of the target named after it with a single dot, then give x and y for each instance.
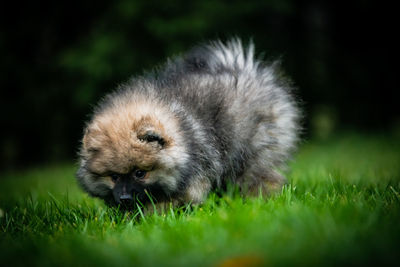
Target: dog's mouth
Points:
(147, 195)
(129, 201)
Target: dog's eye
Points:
(114, 177)
(140, 174)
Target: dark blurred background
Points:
(59, 58)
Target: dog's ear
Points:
(151, 136)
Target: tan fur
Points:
(112, 141)
(266, 185)
(197, 191)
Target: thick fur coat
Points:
(213, 116)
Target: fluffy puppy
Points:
(214, 116)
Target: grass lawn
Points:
(341, 207)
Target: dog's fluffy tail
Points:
(217, 57)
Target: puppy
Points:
(213, 116)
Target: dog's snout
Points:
(126, 199)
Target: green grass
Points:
(342, 207)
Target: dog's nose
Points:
(126, 199)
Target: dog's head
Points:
(132, 150)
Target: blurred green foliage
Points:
(58, 59)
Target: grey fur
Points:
(237, 116)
